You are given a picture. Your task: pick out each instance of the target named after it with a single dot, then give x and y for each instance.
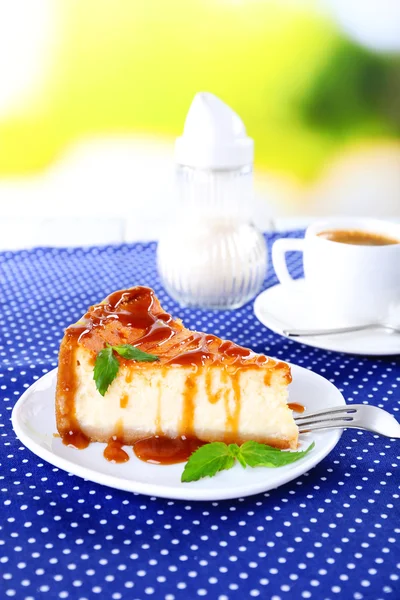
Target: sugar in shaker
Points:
(211, 255)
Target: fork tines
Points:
(336, 417)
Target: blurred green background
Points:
(304, 90)
(94, 92)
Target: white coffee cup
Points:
(346, 283)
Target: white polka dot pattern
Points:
(333, 533)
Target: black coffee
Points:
(358, 238)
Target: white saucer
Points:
(287, 306)
(33, 420)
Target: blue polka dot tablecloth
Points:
(332, 533)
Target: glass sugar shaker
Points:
(211, 255)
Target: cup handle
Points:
(279, 249)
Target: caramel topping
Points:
(267, 378)
(232, 416)
(123, 401)
(193, 357)
(114, 452)
(296, 407)
(158, 416)
(213, 397)
(161, 450)
(189, 393)
(158, 334)
(75, 438)
(230, 349)
(135, 317)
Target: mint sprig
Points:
(261, 455)
(208, 460)
(132, 353)
(211, 458)
(105, 369)
(107, 365)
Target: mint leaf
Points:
(235, 451)
(261, 455)
(105, 369)
(207, 461)
(132, 353)
(106, 365)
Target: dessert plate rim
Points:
(33, 421)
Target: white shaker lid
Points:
(214, 136)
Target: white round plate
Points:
(287, 307)
(34, 423)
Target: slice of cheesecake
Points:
(201, 386)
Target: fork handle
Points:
(316, 332)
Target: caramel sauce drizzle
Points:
(160, 450)
(296, 407)
(232, 416)
(123, 401)
(186, 426)
(135, 317)
(158, 415)
(113, 451)
(213, 397)
(267, 378)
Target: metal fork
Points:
(356, 416)
(337, 330)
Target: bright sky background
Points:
(27, 35)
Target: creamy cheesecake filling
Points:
(210, 404)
